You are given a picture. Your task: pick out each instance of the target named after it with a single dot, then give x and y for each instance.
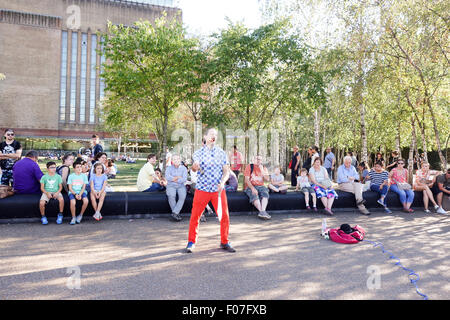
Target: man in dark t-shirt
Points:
(443, 189)
(96, 146)
(10, 152)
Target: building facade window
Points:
(73, 77)
(84, 43)
(63, 80)
(102, 80)
(92, 93)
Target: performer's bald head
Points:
(211, 135)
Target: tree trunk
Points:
(322, 153)
(363, 134)
(283, 144)
(397, 139)
(436, 132)
(317, 128)
(424, 140)
(119, 146)
(421, 126)
(163, 151)
(412, 147)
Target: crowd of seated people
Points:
(87, 180)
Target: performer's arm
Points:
(225, 176)
(196, 161)
(195, 166)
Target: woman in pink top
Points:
(400, 175)
(424, 181)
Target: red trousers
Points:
(201, 199)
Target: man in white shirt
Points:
(347, 178)
(147, 174)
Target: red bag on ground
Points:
(346, 234)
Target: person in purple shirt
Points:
(27, 174)
(232, 183)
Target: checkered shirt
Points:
(211, 167)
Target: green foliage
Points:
(378, 68)
(260, 74)
(150, 69)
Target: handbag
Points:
(327, 183)
(290, 164)
(404, 186)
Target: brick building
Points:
(48, 53)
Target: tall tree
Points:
(419, 37)
(262, 75)
(156, 66)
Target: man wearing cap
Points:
(10, 152)
(443, 190)
(213, 171)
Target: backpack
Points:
(346, 234)
(251, 171)
(59, 169)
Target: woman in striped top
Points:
(399, 175)
(379, 182)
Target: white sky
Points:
(204, 17)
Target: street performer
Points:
(213, 171)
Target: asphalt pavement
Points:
(284, 258)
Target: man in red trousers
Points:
(213, 171)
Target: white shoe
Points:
(264, 215)
(97, 215)
(441, 210)
(427, 211)
(79, 217)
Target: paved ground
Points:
(280, 259)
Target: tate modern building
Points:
(50, 56)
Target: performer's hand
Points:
(195, 166)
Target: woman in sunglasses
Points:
(10, 152)
(399, 184)
(424, 182)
